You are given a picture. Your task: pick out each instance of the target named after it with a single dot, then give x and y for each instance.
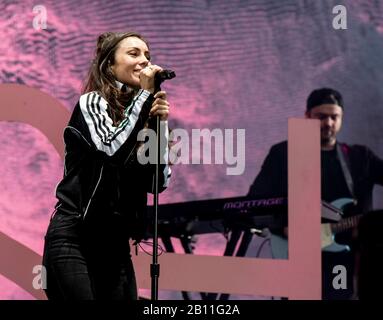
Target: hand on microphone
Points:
(147, 77)
(160, 106)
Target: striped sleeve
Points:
(167, 174)
(164, 179)
(107, 137)
(165, 170)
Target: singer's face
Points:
(330, 116)
(132, 55)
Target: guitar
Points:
(279, 244)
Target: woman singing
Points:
(102, 197)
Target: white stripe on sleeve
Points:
(107, 137)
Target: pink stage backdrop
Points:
(241, 64)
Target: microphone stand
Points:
(155, 267)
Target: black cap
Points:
(324, 96)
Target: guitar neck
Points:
(345, 224)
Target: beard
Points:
(327, 136)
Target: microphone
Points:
(163, 75)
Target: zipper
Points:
(94, 191)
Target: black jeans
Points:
(84, 267)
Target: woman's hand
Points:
(160, 106)
(147, 77)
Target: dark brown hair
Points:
(323, 96)
(100, 77)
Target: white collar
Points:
(119, 84)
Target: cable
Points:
(160, 249)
